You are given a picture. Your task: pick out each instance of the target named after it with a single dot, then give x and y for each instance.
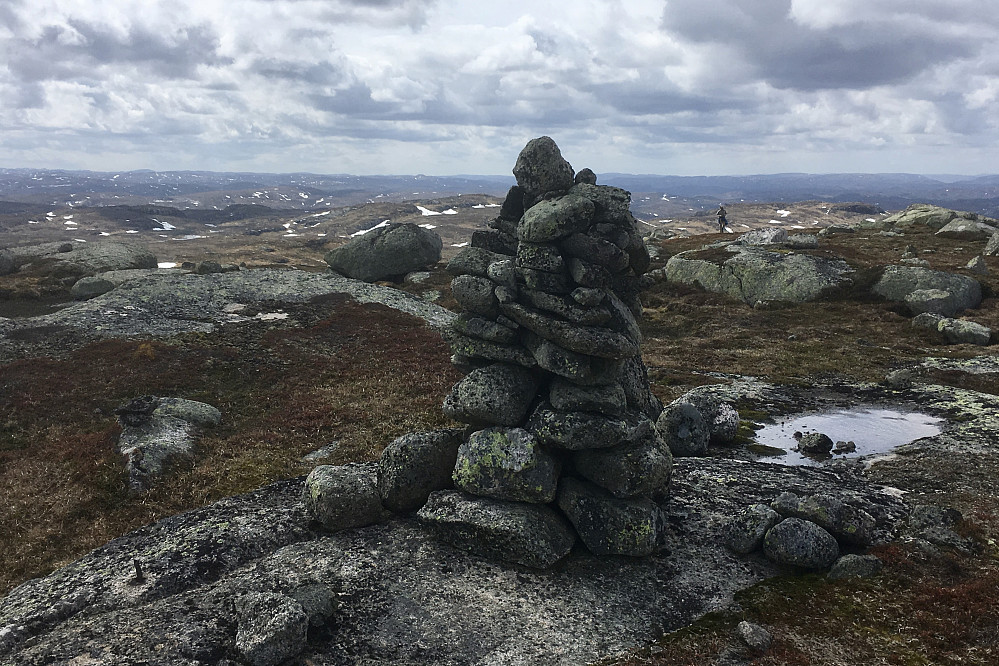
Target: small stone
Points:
(414, 465)
(475, 295)
(498, 394)
(800, 543)
(978, 266)
(815, 443)
(754, 636)
(744, 533)
(341, 497)
(855, 566)
(506, 464)
(960, 331)
(684, 429)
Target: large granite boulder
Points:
(969, 230)
(934, 217)
(755, 274)
(897, 283)
(386, 252)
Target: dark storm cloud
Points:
(865, 50)
(74, 52)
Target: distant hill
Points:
(208, 190)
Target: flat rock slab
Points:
(166, 303)
(404, 598)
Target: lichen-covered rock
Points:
(800, 543)
(961, 331)
(684, 430)
(977, 266)
(389, 251)
(630, 469)
(992, 247)
(197, 413)
(473, 261)
(612, 526)
(271, 628)
(855, 566)
(540, 169)
(483, 329)
(91, 286)
(341, 497)
(414, 465)
(721, 418)
(553, 219)
(580, 368)
(934, 217)
(507, 464)
(754, 636)
(589, 340)
(897, 282)
(765, 236)
(473, 347)
(935, 301)
(755, 274)
(534, 535)
(744, 533)
(577, 431)
(475, 295)
(498, 394)
(844, 521)
(967, 229)
(606, 399)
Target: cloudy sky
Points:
(458, 86)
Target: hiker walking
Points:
(722, 221)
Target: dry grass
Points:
(359, 375)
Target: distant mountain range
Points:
(302, 191)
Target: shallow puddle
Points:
(872, 430)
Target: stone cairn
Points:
(561, 440)
(563, 437)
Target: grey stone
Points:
(585, 176)
(855, 566)
(802, 241)
(847, 523)
(540, 169)
(533, 535)
(576, 431)
(969, 230)
(835, 229)
(580, 368)
(566, 307)
(800, 543)
(589, 275)
(502, 273)
(540, 256)
(755, 274)
(473, 261)
(483, 329)
(469, 347)
(414, 465)
(634, 379)
(341, 497)
(754, 636)
(513, 203)
(476, 295)
(815, 443)
(271, 628)
(317, 600)
(721, 418)
(960, 331)
(745, 531)
(197, 413)
(552, 219)
(595, 251)
(152, 447)
(506, 464)
(610, 204)
(606, 399)
(927, 215)
(392, 250)
(494, 241)
(926, 320)
(764, 236)
(977, 266)
(897, 282)
(208, 266)
(612, 526)
(552, 283)
(631, 469)
(992, 247)
(684, 429)
(498, 394)
(935, 301)
(588, 297)
(589, 340)
(91, 286)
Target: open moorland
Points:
(345, 378)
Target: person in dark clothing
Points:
(722, 220)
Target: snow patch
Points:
(383, 223)
(426, 212)
(167, 264)
(465, 244)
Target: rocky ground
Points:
(307, 367)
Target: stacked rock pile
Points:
(563, 438)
